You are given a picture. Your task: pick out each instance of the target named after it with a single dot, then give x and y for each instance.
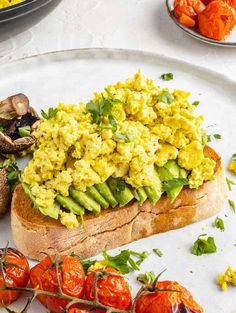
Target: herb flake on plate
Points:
(219, 223)
(204, 245)
(167, 76)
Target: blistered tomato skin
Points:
(71, 275)
(15, 276)
(217, 20)
(167, 301)
(112, 290)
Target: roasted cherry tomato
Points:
(71, 275)
(217, 20)
(167, 301)
(16, 273)
(186, 11)
(231, 3)
(76, 310)
(112, 290)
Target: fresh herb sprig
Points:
(13, 173)
(50, 114)
(102, 108)
(124, 262)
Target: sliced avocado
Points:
(142, 195)
(169, 171)
(92, 191)
(174, 192)
(85, 200)
(105, 191)
(52, 212)
(120, 190)
(69, 204)
(154, 192)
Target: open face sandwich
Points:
(130, 163)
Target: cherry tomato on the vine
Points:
(71, 276)
(167, 301)
(16, 273)
(112, 290)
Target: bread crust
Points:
(34, 233)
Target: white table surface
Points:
(131, 24)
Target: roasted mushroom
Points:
(5, 194)
(17, 122)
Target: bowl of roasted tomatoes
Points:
(211, 21)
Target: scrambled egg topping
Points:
(7, 3)
(152, 126)
(229, 277)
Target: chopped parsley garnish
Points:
(232, 205)
(165, 97)
(124, 262)
(127, 137)
(100, 109)
(1, 129)
(204, 246)
(195, 103)
(217, 136)
(229, 183)
(13, 173)
(50, 114)
(167, 76)
(234, 156)
(208, 138)
(219, 223)
(158, 252)
(86, 264)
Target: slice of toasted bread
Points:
(34, 233)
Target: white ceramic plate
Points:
(229, 42)
(71, 76)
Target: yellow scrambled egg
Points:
(7, 3)
(152, 126)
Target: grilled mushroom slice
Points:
(17, 120)
(13, 107)
(5, 194)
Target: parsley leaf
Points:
(124, 262)
(1, 129)
(13, 173)
(165, 97)
(204, 246)
(234, 156)
(86, 264)
(127, 137)
(50, 114)
(208, 138)
(158, 252)
(229, 183)
(102, 108)
(217, 136)
(219, 223)
(167, 76)
(195, 103)
(232, 205)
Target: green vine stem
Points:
(71, 300)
